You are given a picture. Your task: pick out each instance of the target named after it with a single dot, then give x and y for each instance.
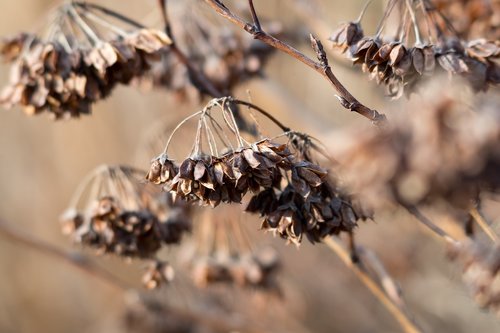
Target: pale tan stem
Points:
(405, 322)
(476, 215)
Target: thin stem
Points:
(388, 10)
(405, 322)
(87, 30)
(73, 259)
(429, 224)
(347, 99)
(363, 11)
(263, 112)
(476, 215)
(109, 12)
(179, 126)
(409, 5)
(104, 23)
(255, 18)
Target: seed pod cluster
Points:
(440, 151)
(211, 180)
(472, 18)
(481, 272)
(227, 57)
(220, 254)
(247, 270)
(401, 66)
(293, 194)
(65, 81)
(110, 229)
(125, 220)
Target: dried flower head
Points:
(423, 43)
(114, 213)
(472, 18)
(292, 193)
(221, 253)
(225, 56)
(443, 149)
(79, 61)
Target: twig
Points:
(476, 215)
(347, 99)
(74, 259)
(402, 318)
(429, 224)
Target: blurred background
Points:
(43, 161)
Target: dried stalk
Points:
(348, 101)
(476, 215)
(399, 314)
(431, 226)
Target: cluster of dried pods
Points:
(441, 151)
(225, 57)
(294, 195)
(64, 75)
(120, 216)
(400, 64)
(472, 18)
(221, 253)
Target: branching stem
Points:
(347, 99)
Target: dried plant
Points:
(440, 150)
(114, 213)
(445, 149)
(74, 65)
(422, 43)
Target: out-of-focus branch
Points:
(358, 268)
(347, 99)
(476, 215)
(83, 264)
(430, 225)
(73, 259)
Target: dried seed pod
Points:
(347, 35)
(162, 170)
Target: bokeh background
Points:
(43, 161)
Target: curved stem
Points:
(263, 112)
(185, 120)
(109, 12)
(429, 224)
